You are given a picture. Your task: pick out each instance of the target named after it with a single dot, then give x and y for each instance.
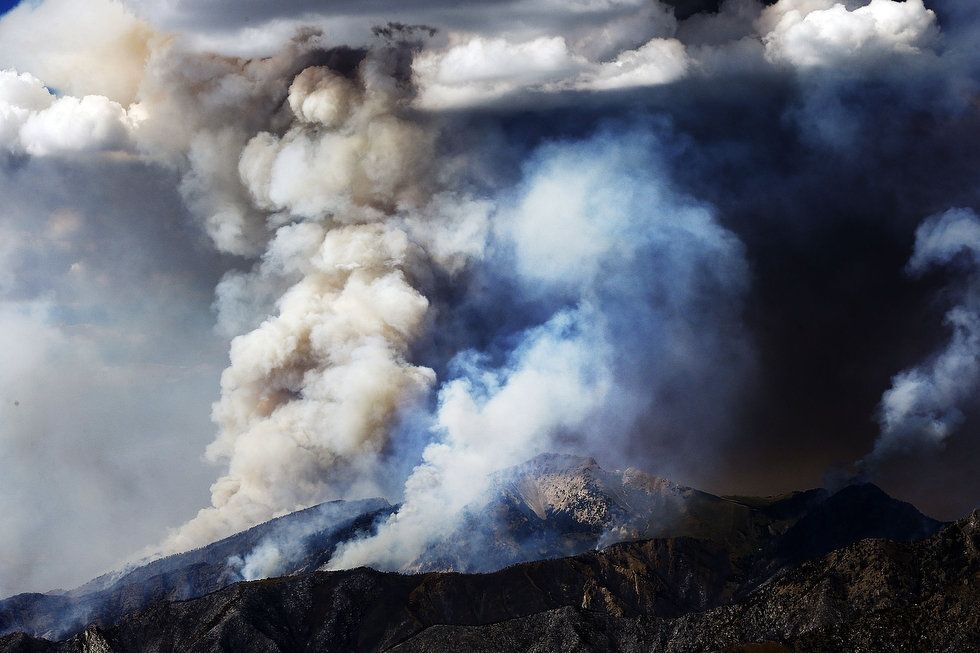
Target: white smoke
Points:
(923, 406)
(597, 223)
(347, 194)
(93, 48)
(349, 200)
(285, 547)
(490, 419)
(324, 169)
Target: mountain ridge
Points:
(553, 506)
(873, 595)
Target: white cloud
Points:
(473, 69)
(89, 124)
(34, 121)
(822, 33)
(20, 96)
(659, 61)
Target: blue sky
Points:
(7, 5)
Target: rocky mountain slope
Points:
(557, 505)
(300, 541)
(874, 596)
(550, 507)
(658, 595)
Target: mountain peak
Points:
(577, 490)
(857, 511)
(550, 462)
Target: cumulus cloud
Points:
(87, 124)
(21, 95)
(657, 62)
(825, 32)
(34, 121)
(476, 70)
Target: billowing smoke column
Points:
(325, 165)
(924, 405)
(632, 277)
(644, 279)
(309, 398)
(455, 249)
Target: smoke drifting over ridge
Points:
(596, 228)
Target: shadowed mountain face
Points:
(708, 551)
(659, 595)
(300, 541)
(872, 596)
(855, 512)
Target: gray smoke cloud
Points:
(924, 405)
(345, 192)
(108, 360)
(412, 303)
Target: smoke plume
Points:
(596, 229)
(440, 239)
(310, 395)
(924, 405)
(363, 213)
